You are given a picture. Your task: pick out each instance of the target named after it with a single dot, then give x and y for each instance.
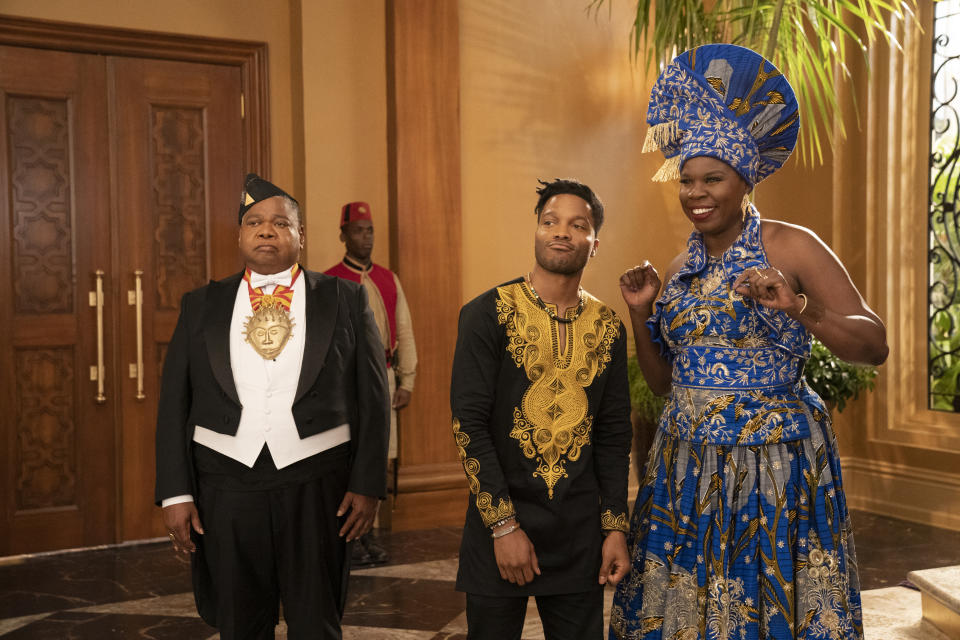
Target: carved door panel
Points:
(131, 168)
(57, 425)
(179, 171)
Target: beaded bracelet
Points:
(500, 523)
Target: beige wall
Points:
(548, 91)
(344, 121)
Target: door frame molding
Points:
(250, 57)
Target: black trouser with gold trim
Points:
(271, 536)
(568, 616)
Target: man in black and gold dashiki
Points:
(541, 419)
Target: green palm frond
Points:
(810, 41)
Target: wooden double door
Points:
(120, 178)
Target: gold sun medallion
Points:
(268, 330)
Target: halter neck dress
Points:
(740, 529)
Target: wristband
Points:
(503, 532)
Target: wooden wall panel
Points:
(424, 148)
(178, 199)
(40, 176)
(899, 457)
(56, 428)
(46, 430)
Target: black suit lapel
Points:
(322, 304)
(217, 315)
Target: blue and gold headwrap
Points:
(726, 102)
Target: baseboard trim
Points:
(900, 491)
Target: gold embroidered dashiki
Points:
(543, 431)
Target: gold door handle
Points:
(97, 372)
(135, 298)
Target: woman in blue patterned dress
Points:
(740, 529)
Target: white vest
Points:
(266, 389)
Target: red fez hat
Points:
(354, 211)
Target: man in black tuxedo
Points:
(272, 432)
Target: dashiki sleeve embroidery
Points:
(476, 362)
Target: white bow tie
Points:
(258, 281)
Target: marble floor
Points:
(142, 591)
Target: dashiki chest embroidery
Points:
(552, 423)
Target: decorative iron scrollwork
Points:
(944, 213)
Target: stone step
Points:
(940, 593)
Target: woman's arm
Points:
(639, 287)
(811, 285)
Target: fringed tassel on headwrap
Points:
(661, 135)
(669, 170)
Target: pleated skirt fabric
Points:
(740, 543)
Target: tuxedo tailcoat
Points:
(342, 381)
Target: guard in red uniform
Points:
(396, 331)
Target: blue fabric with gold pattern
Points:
(726, 102)
(737, 365)
(740, 529)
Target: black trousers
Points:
(271, 536)
(568, 616)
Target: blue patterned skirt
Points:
(740, 543)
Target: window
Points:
(943, 283)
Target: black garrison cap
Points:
(256, 189)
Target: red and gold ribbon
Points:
(282, 295)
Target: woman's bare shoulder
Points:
(779, 236)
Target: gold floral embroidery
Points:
(716, 302)
(823, 593)
(551, 424)
(471, 466)
(728, 611)
(610, 522)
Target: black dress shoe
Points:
(378, 554)
(359, 556)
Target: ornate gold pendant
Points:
(268, 330)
